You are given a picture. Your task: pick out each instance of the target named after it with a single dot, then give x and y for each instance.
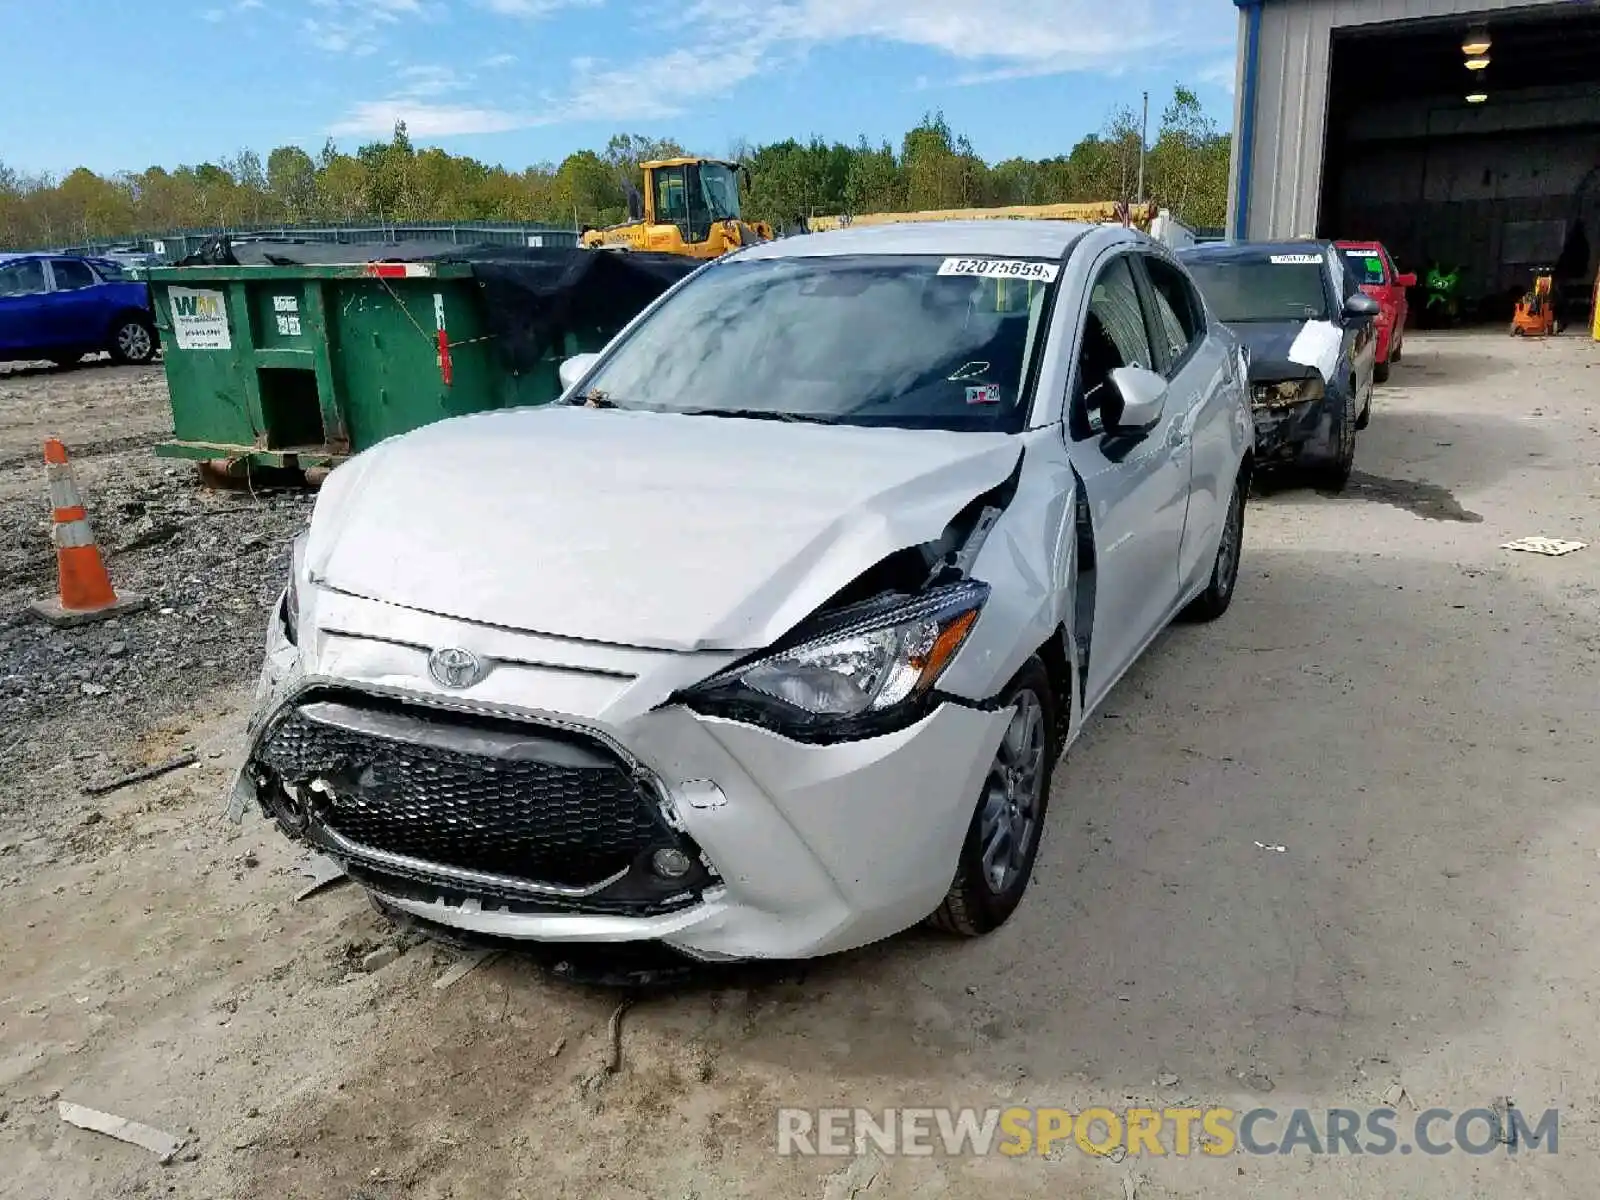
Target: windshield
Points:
(910, 341)
(1365, 265)
(720, 186)
(1263, 289)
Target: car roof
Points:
(1251, 251)
(7, 256)
(993, 239)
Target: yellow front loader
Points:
(690, 206)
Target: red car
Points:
(1374, 271)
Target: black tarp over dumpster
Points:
(532, 297)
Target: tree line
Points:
(1186, 169)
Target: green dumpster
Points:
(302, 366)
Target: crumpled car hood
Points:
(635, 528)
(1304, 343)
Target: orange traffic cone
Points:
(85, 591)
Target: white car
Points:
(764, 641)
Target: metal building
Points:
(1462, 133)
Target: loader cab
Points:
(691, 193)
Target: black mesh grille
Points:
(486, 797)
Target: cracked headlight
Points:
(1290, 391)
(861, 671)
(290, 604)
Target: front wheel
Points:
(1214, 601)
(1003, 840)
(1331, 474)
(1380, 373)
(133, 341)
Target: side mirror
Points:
(1408, 280)
(575, 368)
(1136, 401)
(1362, 307)
(635, 203)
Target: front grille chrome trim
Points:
(314, 683)
(455, 876)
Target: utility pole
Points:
(1144, 140)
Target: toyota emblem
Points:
(456, 668)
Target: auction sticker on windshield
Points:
(1001, 268)
(1296, 260)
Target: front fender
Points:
(1030, 563)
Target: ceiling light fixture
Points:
(1476, 43)
(1477, 97)
(1478, 64)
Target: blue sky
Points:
(525, 81)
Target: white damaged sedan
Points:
(764, 641)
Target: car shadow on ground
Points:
(29, 369)
(1423, 461)
(1244, 884)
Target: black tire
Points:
(1399, 349)
(133, 340)
(1333, 473)
(977, 902)
(1380, 373)
(1214, 601)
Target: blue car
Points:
(60, 307)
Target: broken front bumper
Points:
(1281, 430)
(495, 811)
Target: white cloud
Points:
(661, 85)
(534, 8)
(215, 15)
(983, 42)
(500, 60)
(376, 118)
(355, 26)
(1224, 74)
(990, 41)
(426, 80)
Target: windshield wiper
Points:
(758, 414)
(593, 398)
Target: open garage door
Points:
(1494, 186)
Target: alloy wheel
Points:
(1011, 803)
(133, 340)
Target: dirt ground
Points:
(1403, 706)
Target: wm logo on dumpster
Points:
(196, 304)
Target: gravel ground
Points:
(1401, 705)
(209, 563)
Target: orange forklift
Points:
(1536, 311)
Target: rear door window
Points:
(1179, 319)
(71, 275)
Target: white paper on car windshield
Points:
(1296, 260)
(1001, 268)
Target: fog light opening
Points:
(671, 863)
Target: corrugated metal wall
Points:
(1292, 99)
